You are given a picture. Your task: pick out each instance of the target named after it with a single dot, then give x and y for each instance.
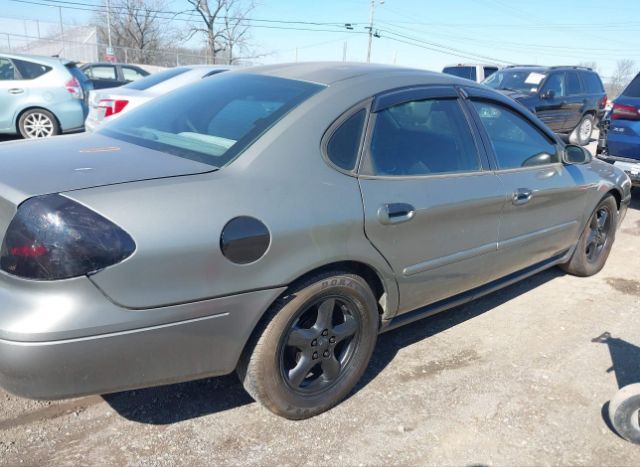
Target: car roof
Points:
(109, 63)
(328, 73)
(546, 69)
(41, 59)
(471, 64)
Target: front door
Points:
(552, 106)
(431, 206)
(545, 199)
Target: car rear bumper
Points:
(207, 342)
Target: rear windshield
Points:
(30, 70)
(526, 81)
(633, 90)
(468, 72)
(155, 78)
(213, 120)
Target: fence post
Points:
(126, 56)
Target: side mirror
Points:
(548, 94)
(575, 155)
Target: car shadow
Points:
(625, 359)
(178, 402)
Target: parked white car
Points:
(109, 104)
(474, 72)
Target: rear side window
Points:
(592, 83)
(468, 72)
(422, 138)
(155, 78)
(7, 70)
(573, 83)
(516, 142)
(633, 90)
(30, 70)
(343, 146)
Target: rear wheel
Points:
(624, 412)
(38, 123)
(582, 133)
(313, 347)
(595, 241)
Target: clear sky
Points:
(425, 33)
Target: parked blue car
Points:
(41, 96)
(619, 141)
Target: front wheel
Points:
(596, 240)
(582, 133)
(313, 346)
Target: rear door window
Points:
(423, 137)
(30, 70)
(573, 83)
(7, 70)
(516, 142)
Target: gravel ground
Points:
(519, 377)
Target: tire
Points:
(38, 123)
(623, 412)
(596, 240)
(582, 132)
(331, 354)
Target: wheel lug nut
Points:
(325, 333)
(332, 340)
(314, 342)
(315, 355)
(326, 353)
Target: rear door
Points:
(545, 199)
(12, 92)
(431, 206)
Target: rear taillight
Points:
(74, 88)
(52, 237)
(602, 103)
(112, 106)
(624, 112)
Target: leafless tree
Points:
(622, 75)
(225, 26)
(138, 26)
(592, 65)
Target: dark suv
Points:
(570, 100)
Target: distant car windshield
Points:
(468, 72)
(213, 120)
(155, 78)
(525, 81)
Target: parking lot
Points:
(520, 377)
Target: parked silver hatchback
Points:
(273, 221)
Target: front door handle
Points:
(521, 196)
(395, 213)
(16, 91)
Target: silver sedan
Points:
(274, 221)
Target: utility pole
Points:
(372, 9)
(109, 25)
(344, 52)
(61, 29)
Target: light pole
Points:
(109, 26)
(372, 9)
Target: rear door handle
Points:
(521, 196)
(16, 91)
(395, 213)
